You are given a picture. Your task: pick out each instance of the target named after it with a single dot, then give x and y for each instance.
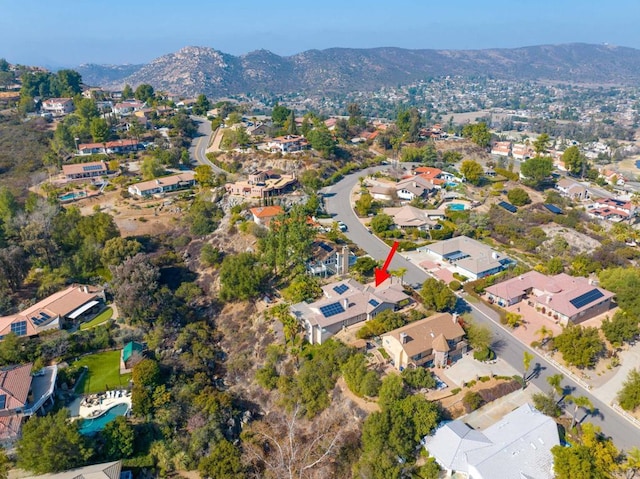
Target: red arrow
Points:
(381, 273)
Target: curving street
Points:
(198, 148)
(337, 201)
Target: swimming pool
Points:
(456, 206)
(93, 425)
(72, 196)
(452, 184)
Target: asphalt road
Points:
(198, 148)
(624, 434)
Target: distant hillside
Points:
(95, 75)
(194, 70)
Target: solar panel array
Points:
(586, 298)
(553, 208)
(43, 318)
(325, 247)
(331, 309)
(19, 328)
(92, 168)
(508, 206)
(373, 302)
(3, 401)
(341, 288)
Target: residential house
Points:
(517, 446)
(163, 185)
(259, 129)
(262, 184)
(127, 107)
(469, 257)
(22, 395)
(108, 147)
(613, 178)
(74, 303)
(58, 106)
(327, 259)
(106, 470)
(346, 303)
(435, 175)
(382, 192)
(572, 189)
(262, 215)
(330, 123)
(563, 298)
(501, 148)
(521, 151)
(625, 206)
(288, 143)
(131, 354)
(433, 341)
(78, 171)
(414, 187)
(410, 217)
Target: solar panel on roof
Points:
(373, 302)
(553, 208)
(508, 206)
(19, 328)
(455, 255)
(3, 401)
(586, 298)
(44, 315)
(341, 288)
(331, 309)
(325, 247)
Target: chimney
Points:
(345, 260)
(454, 317)
(494, 255)
(403, 338)
(345, 303)
(85, 289)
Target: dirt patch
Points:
(366, 405)
(489, 391)
(579, 242)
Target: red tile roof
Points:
(15, 383)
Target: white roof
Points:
(519, 445)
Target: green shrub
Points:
(455, 285)
(455, 391)
(472, 401)
(485, 354)
(484, 379)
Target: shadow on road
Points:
(535, 372)
(499, 345)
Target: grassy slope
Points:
(104, 370)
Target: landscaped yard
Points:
(103, 317)
(103, 374)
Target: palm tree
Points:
(399, 273)
(554, 381)
(544, 333)
(579, 402)
(526, 362)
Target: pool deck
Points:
(93, 405)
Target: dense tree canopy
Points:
(579, 346)
(241, 277)
(536, 170)
(437, 296)
(472, 171)
(51, 443)
(478, 133)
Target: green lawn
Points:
(104, 370)
(103, 317)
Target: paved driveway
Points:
(467, 368)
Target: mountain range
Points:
(194, 70)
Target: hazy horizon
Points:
(70, 32)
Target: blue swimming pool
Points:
(72, 196)
(456, 206)
(452, 184)
(96, 424)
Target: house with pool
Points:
(23, 394)
(468, 257)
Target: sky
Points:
(66, 33)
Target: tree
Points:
(51, 443)
(518, 197)
(381, 222)
(451, 157)
(625, 283)
(134, 285)
(472, 401)
(579, 346)
(204, 176)
(537, 170)
(546, 404)
(119, 438)
(222, 462)
(364, 265)
(437, 296)
(480, 337)
(472, 171)
(391, 391)
(321, 139)
(279, 114)
(360, 380)
(622, 328)
(574, 161)
(555, 381)
(629, 395)
(144, 93)
(364, 204)
(418, 378)
(151, 168)
(478, 133)
(100, 130)
(302, 288)
(241, 277)
(203, 216)
(145, 377)
(632, 464)
(578, 402)
(127, 92)
(527, 357)
(202, 105)
(541, 144)
(5, 464)
(116, 250)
